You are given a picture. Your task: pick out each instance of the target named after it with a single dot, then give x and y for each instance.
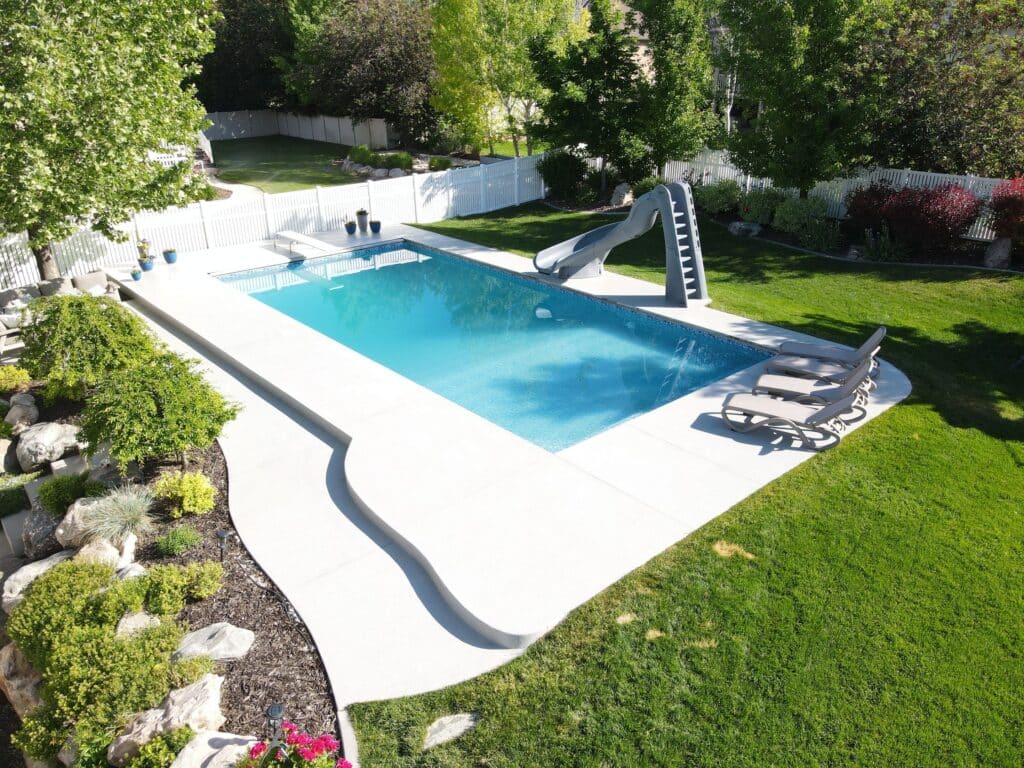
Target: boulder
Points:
(68, 754)
(57, 285)
(99, 551)
(23, 398)
(745, 229)
(196, 705)
(449, 728)
(213, 749)
(42, 443)
(998, 253)
(128, 547)
(71, 531)
(19, 682)
(21, 416)
(17, 582)
(133, 623)
(221, 642)
(396, 173)
(37, 537)
(622, 195)
(10, 455)
(133, 571)
(380, 173)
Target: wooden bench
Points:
(297, 238)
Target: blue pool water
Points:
(550, 365)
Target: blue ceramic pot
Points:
(350, 227)
(136, 276)
(146, 266)
(170, 256)
(375, 227)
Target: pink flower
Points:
(287, 726)
(307, 754)
(343, 763)
(257, 749)
(281, 755)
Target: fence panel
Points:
(180, 228)
(338, 204)
(17, 263)
(87, 251)
(531, 185)
(392, 199)
(297, 211)
(434, 195)
(467, 191)
(235, 222)
(499, 185)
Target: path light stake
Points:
(222, 540)
(275, 717)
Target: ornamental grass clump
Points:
(190, 493)
(300, 750)
(121, 512)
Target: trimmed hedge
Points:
(718, 198)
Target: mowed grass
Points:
(281, 163)
(879, 618)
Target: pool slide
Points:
(584, 256)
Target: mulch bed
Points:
(282, 667)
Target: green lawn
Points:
(281, 163)
(881, 621)
(508, 149)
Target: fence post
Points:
(515, 179)
(319, 211)
(415, 199)
(369, 198)
(206, 224)
(266, 215)
(483, 190)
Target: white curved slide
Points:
(584, 256)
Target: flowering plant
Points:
(300, 750)
(144, 254)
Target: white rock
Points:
(998, 253)
(23, 398)
(449, 728)
(127, 556)
(21, 417)
(19, 682)
(221, 642)
(622, 195)
(133, 623)
(17, 582)
(42, 443)
(133, 571)
(196, 705)
(213, 749)
(72, 532)
(10, 457)
(745, 229)
(380, 173)
(98, 551)
(396, 173)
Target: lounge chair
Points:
(810, 391)
(836, 354)
(745, 412)
(823, 370)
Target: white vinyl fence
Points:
(419, 198)
(267, 122)
(710, 166)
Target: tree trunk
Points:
(604, 175)
(804, 194)
(48, 269)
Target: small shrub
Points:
(798, 216)
(440, 163)
(718, 198)
(161, 751)
(880, 246)
(864, 206)
(187, 671)
(1008, 209)
(822, 235)
(647, 184)
(401, 160)
(177, 541)
(563, 173)
(160, 407)
(122, 511)
(13, 498)
(203, 579)
(361, 154)
(121, 597)
(58, 493)
(171, 586)
(190, 493)
(759, 205)
(14, 379)
(928, 219)
(75, 341)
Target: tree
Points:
(366, 59)
(88, 88)
(159, 407)
(950, 85)
(458, 90)
(794, 59)
(241, 71)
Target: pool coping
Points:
(513, 537)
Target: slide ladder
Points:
(584, 256)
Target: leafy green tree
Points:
(159, 407)
(459, 92)
(949, 85)
(793, 58)
(241, 71)
(88, 88)
(74, 341)
(366, 59)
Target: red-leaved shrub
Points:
(1008, 209)
(921, 219)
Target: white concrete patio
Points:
(512, 537)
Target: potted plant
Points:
(350, 226)
(363, 217)
(145, 257)
(136, 274)
(375, 227)
(171, 255)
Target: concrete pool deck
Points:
(513, 537)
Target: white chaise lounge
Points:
(818, 427)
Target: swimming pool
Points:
(550, 365)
